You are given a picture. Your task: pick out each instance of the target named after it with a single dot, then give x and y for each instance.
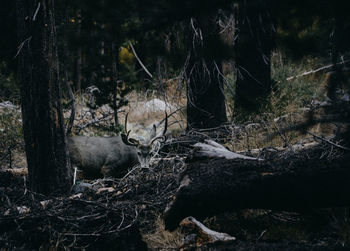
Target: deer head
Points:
(144, 148)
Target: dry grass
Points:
(287, 106)
(143, 109)
(267, 131)
(149, 109)
(161, 239)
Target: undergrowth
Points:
(11, 138)
(290, 95)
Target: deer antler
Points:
(162, 138)
(125, 138)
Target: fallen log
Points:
(266, 246)
(212, 186)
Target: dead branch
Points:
(328, 141)
(213, 149)
(139, 60)
(201, 235)
(316, 70)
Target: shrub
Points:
(11, 136)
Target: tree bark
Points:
(205, 97)
(114, 51)
(79, 57)
(44, 135)
(253, 59)
(217, 185)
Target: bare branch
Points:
(328, 141)
(316, 70)
(36, 12)
(138, 59)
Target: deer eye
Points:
(138, 153)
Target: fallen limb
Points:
(326, 67)
(199, 235)
(328, 141)
(18, 171)
(216, 185)
(213, 149)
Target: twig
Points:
(328, 141)
(213, 128)
(19, 49)
(316, 70)
(282, 135)
(36, 11)
(126, 175)
(261, 235)
(180, 142)
(75, 234)
(96, 121)
(160, 122)
(122, 221)
(75, 176)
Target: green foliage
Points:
(109, 129)
(127, 71)
(117, 129)
(289, 95)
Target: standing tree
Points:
(205, 97)
(44, 135)
(204, 52)
(253, 49)
(95, 31)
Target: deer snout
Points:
(144, 159)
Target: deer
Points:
(113, 156)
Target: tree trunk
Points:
(217, 185)
(253, 60)
(205, 97)
(114, 52)
(45, 142)
(79, 57)
(64, 64)
(78, 65)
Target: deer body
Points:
(112, 156)
(106, 156)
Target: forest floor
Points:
(110, 214)
(126, 213)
